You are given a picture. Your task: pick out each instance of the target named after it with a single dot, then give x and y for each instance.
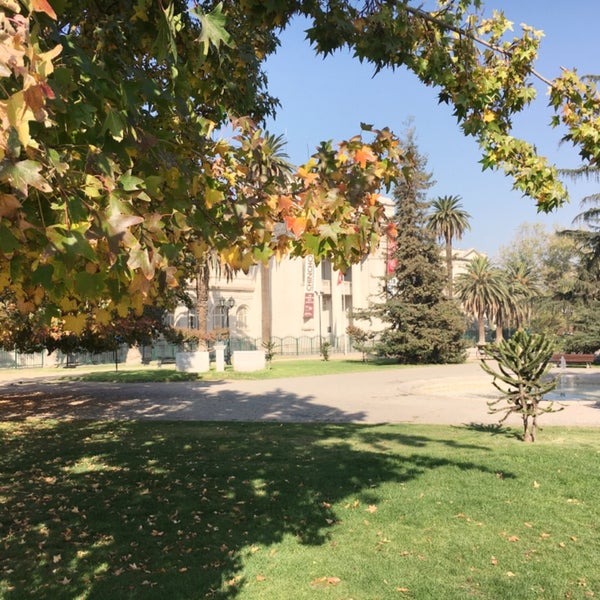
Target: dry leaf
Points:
(513, 538)
(260, 578)
(372, 508)
(402, 590)
(536, 484)
(494, 560)
(510, 574)
(56, 558)
(544, 535)
(528, 525)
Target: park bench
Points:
(574, 360)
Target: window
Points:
(220, 317)
(241, 318)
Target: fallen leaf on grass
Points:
(372, 508)
(325, 581)
(544, 535)
(510, 574)
(402, 590)
(513, 538)
(494, 561)
(260, 578)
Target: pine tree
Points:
(422, 324)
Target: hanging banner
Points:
(309, 287)
(391, 260)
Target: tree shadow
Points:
(204, 401)
(494, 429)
(138, 509)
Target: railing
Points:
(162, 351)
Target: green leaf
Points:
(213, 28)
(114, 124)
(23, 174)
(43, 276)
(8, 242)
(89, 284)
(130, 183)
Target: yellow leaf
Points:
(212, 197)
(372, 508)
(488, 115)
(75, 323)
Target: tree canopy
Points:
(114, 164)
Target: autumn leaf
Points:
(513, 538)
(260, 578)
(325, 581)
(364, 155)
(43, 6)
(371, 508)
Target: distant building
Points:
(297, 302)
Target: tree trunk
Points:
(265, 286)
(499, 335)
(449, 268)
(529, 428)
(202, 291)
(481, 324)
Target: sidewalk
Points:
(446, 394)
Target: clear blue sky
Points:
(328, 98)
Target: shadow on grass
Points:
(494, 429)
(148, 510)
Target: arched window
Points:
(241, 317)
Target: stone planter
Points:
(248, 360)
(192, 362)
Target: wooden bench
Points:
(573, 360)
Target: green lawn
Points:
(279, 368)
(156, 510)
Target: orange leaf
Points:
(260, 578)
(285, 203)
(364, 155)
(296, 225)
(513, 538)
(43, 6)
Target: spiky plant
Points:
(521, 362)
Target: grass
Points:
(155, 510)
(278, 369)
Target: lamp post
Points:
(226, 305)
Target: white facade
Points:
(269, 301)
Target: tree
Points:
(522, 362)
(481, 289)
(421, 324)
(110, 173)
(449, 221)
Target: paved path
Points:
(449, 394)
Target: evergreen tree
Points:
(422, 324)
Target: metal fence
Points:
(164, 352)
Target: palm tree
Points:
(481, 289)
(271, 163)
(449, 221)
